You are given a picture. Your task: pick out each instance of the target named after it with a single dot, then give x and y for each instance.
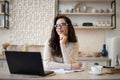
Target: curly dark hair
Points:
(54, 40)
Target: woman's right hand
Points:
(63, 39)
(76, 65)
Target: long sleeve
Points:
(49, 61)
(70, 52)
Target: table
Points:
(4, 74)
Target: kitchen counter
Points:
(2, 57)
(4, 74)
(81, 58)
(94, 59)
(88, 61)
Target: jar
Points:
(77, 10)
(94, 10)
(25, 48)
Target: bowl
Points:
(96, 54)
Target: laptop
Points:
(30, 63)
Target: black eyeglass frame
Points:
(60, 25)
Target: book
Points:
(111, 70)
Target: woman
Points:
(62, 48)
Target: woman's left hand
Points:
(76, 65)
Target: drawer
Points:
(101, 63)
(3, 64)
(88, 64)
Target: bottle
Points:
(104, 51)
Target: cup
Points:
(108, 24)
(84, 8)
(71, 10)
(94, 10)
(96, 69)
(111, 10)
(77, 10)
(96, 54)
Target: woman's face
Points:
(61, 27)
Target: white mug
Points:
(94, 10)
(96, 69)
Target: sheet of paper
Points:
(62, 71)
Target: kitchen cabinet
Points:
(4, 14)
(3, 62)
(87, 61)
(100, 13)
(90, 61)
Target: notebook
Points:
(25, 63)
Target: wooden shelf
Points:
(89, 0)
(94, 58)
(3, 0)
(92, 27)
(68, 8)
(103, 14)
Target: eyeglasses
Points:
(60, 25)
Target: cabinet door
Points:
(3, 64)
(85, 64)
(101, 63)
(88, 64)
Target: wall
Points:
(114, 33)
(31, 22)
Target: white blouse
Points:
(69, 53)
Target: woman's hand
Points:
(63, 39)
(76, 65)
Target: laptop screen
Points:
(25, 62)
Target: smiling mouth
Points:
(60, 31)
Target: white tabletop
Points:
(4, 74)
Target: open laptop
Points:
(25, 63)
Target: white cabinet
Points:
(3, 64)
(90, 61)
(100, 13)
(4, 14)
